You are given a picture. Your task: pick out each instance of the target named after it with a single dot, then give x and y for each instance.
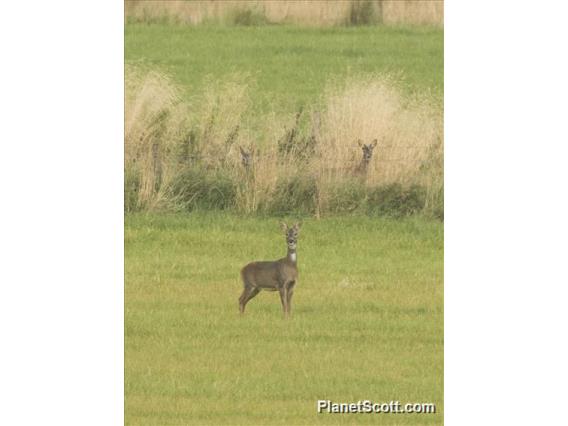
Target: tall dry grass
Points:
(302, 12)
(414, 12)
(409, 134)
(155, 129)
(185, 156)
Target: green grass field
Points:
(367, 321)
(289, 66)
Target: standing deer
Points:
(280, 275)
(363, 166)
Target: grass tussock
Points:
(409, 134)
(189, 157)
(310, 12)
(155, 134)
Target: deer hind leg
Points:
(242, 299)
(248, 293)
(251, 295)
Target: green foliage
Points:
(293, 195)
(435, 203)
(396, 201)
(347, 197)
(200, 189)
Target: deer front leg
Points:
(284, 299)
(289, 294)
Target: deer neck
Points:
(292, 256)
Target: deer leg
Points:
(248, 294)
(251, 295)
(244, 298)
(284, 299)
(289, 294)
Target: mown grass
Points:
(290, 66)
(367, 321)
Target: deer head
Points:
(291, 234)
(367, 149)
(246, 157)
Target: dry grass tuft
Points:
(299, 160)
(222, 110)
(409, 135)
(415, 12)
(156, 126)
(302, 12)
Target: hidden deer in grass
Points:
(247, 158)
(363, 166)
(279, 275)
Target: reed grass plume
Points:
(373, 108)
(223, 106)
(155, 124)
(302, 12)
(408, 131)
(299, 159)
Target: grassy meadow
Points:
(300, 98)
(367, 315)
(367, 320)
(287, 66)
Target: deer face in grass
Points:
(246, 157)
(291, 235)
(367, 150)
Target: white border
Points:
(506, 212)
(61, 302)
(61, 307)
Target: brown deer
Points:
(363, 166)
(247, 158)
(280, 275)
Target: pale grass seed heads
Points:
(302, 12)
(165, 138)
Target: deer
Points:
(247, 158)
(279, 275)
(363, 166)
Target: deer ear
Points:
(297, 226)
(374, 144)
(242, 150)
(283, 226)
(359, 142)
